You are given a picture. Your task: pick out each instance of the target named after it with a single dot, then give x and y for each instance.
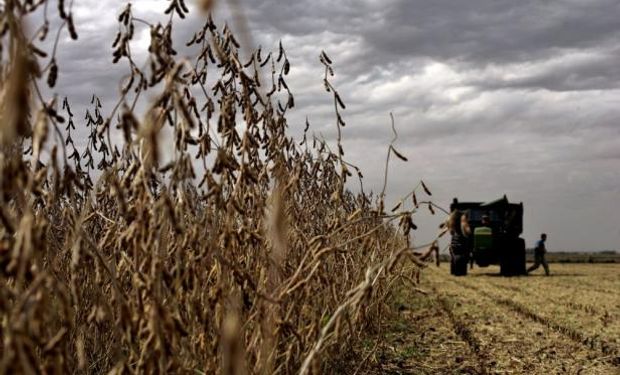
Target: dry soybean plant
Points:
(242, 253)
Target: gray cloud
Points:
(490, 97)
(485, 31)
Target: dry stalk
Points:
(244, 252)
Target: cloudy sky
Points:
(490, 97)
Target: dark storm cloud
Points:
(489, 96)
(486, 31)
(478, 32)
(591, 69)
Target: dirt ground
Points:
(568, 323)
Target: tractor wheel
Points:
(506, 259)
(512, 262)
(520, 266)
(504, 265)
(458, 265)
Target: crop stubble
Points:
(506, 325)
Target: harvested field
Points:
(568, 323)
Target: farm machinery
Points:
(495, 228)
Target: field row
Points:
(487, 324)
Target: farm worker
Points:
(466, 232)
(465, 223)
(459, 249)
(539, 255)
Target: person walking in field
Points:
(539, 255)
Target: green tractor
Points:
(494, 239)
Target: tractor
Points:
(494, 239)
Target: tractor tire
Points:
(458, 265)
(519, 262)
(505, 266)
(512, 262)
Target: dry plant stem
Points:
(238, 249)
(387, 158)
(355, 298)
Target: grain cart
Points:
(496, 243)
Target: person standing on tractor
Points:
(459, 249)
(469, 239)
(539, 255)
